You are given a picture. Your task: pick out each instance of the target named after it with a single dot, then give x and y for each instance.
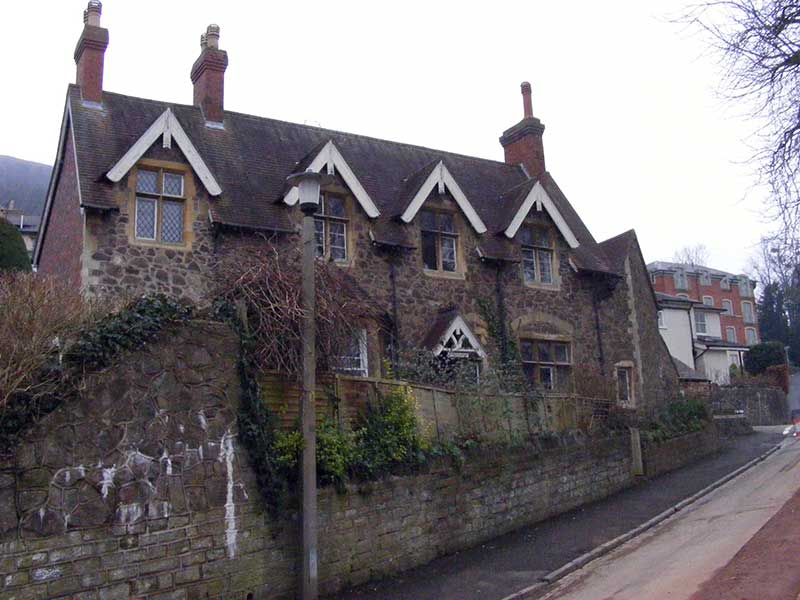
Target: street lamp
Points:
(308, 184)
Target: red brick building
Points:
(147, 195)
(717, 289)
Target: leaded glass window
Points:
(159, 207)
(172, 222)
(146, 218)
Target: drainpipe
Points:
(395, 321)
(598, 330)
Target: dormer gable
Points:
(331, 159)
(168, 128)
(537, 196)
(441, 178)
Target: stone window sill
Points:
(456, 275)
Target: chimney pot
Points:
(527, 106)
(92, 13)
(212, 36)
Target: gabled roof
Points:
(251, 157)
(451, 333)
(440, 177)
(329, 158)
(166, 127)
(533, 194)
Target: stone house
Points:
(146, 195)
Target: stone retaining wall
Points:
(678, 452)
(141, 490)
(761, 405)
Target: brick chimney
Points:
(208, 75)
(90, 52)
(523, 142)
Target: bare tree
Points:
(696, 255)
(759, 44)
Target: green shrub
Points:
(388, 436)
(13, 254)
(764, 355)
(334, 453)
(677, 418)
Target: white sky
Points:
(636, 136)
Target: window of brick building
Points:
(700, 325)
(160, 206)
(750, 334)
(705, 278)
(730, 334)
(747, 312)
(708, 301)
(725, 283)
(547, 364)
(439, 241)
(537, 255)
(727, 305)
(680, 280)
(330, 224)
(745, 289)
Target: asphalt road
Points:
(514, 561)
(673, 560)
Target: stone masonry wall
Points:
(140, 489)
(678, 452)
(760, 404)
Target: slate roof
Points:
(662, 265)
(686, 372)
(252, 157)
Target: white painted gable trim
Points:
(168, 128)
(332, 160)
(459, 323)
(442, 178)
(538, 196)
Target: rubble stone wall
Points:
(140, 489)
(680, 451)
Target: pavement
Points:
(519, 559)
(794, 392)
(686, 557)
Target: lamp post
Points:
(308, 184)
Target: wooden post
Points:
(310, 586)
(637, 465)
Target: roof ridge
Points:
(322, 129)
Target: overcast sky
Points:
(636, 134)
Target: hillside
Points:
(25, 182)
